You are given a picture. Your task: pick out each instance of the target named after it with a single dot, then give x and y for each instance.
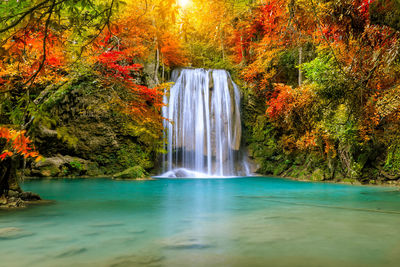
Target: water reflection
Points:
(227, 222)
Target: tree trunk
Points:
(222, 43)
(4, 174)
(157, 66)
(157, 53)
(163, 73)
(8, 175)
(300, 62)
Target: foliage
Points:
(46, 43)
(16, 143)
(348, 52)
(332, 85)
(133, 155)
(35, 36)
(76, 165)
(320, 79)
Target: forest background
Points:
(85, 79)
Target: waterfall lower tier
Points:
(203, 126)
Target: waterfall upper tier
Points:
(203, 127)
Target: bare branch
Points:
(46, 34)
(29, 11)
(106, 23)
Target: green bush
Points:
(392, 162)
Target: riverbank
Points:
(18, 200)
(347, 182)
(395, 183)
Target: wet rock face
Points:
(81, 131)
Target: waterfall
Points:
(203, 125)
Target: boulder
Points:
(60, 165)
(136, 172)
(11, 203)
(29, 196)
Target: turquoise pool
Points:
(257, 221)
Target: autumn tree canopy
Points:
(324, 74)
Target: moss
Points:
(136, 172)
(132, 154)
(76, 165)
(50, 171)
(108, 163)
(80, 118)
(392, 162)
(65, 134)
(57, 96)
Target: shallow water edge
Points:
(395, 183)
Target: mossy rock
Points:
(62, 166)
(136, 172)
(49, 171)
(80, 118)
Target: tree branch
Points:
(46, 34)
(29, 11)
(106, 23)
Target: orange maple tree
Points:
(116, 61)
(16, 143)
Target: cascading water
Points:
(203, 127)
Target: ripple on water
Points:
(137, 231)
(107, 224)
(60, 239)
(91, 234)
(8, 233)
(47, 214)
(137, 260)
(185, 243)
(73, 251)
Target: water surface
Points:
(204, 222)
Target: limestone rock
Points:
(62, 166)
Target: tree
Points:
(40, 39)
(13, 144)
(346, 54)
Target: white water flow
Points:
(203, 127)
